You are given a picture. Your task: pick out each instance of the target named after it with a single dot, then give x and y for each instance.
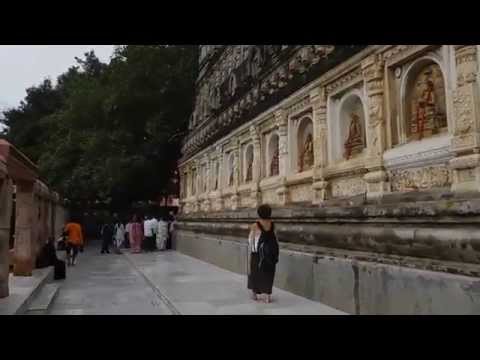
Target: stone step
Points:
(43, 300)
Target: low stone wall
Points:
(356, 287)
(413, 258)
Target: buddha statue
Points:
(306, 155)
(424, 110)
(354, 144)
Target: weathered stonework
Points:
(39, 214)
(396, 151)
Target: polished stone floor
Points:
(165, 283)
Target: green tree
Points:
(110, 132)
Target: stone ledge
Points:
(353, 283)
(422, 207)
(23, 290)
(322, 252)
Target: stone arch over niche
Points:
(273, 155)
(424, 100)
(248, 161)
(304, 144)
(352, 127)
(231, 170)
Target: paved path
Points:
(106, 285)
(193, 287)
(164, 283)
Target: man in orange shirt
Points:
(74, 235)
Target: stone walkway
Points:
(193, 287)
(105, 285)
(165, 283)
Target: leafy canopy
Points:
(109, 132)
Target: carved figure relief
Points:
(347, 187)
(354, 144)
(305, 151)
(352, 128)
(249, 163)
(419, 178)
(427, 104)
(274, 156)
(231, 175)
(463, 115)
(306, 158)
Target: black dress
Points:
(260, 280)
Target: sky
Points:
(22, 66)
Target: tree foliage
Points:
(109, 132)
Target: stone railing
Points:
(37, 214)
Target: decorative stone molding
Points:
(430, 151)
(299, 106)
(425, 178)
(347, 187)
(347, 81)
(398, 53)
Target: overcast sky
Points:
(22, 66)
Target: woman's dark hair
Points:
(264, 212)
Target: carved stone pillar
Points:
(282, 190)
(24, 260)
(5, 214)
(466, 139)
(256, 194)
(373, 72)
(319, 102)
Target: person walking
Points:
(74, 240)
(264, 253)
(107, 234)
(149, 228)
(162, 234)
(119, 235)
(171, 228)
(136, 235)
(128, 231)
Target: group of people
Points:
(148, 234)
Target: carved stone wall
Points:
(300, 193)
(387, 82)
(347, 187)
(424, 178)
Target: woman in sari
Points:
(135, 235)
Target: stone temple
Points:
(369, 156)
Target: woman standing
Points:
(135, 235)
(119, 235)
(264, 254)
